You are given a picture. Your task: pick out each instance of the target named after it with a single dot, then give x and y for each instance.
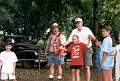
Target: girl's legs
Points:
(110, 75)
(73, 74)
(51, 70)
(59, 66)
(105, 75)
(77, 75)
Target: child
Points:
(107, 61)
(117, 66)
(76, 51)
(8, 59)
(98, 43)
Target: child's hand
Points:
(101, 66)
(46, 57)
(13, 73)
(61, 47)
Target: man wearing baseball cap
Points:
(85, 36)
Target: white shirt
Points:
(83, 35)
(117, 65)
(8, 58)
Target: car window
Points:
(20, 39)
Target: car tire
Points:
(27, 64)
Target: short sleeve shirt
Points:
(8, 58)
(83, 35)
(76, 51)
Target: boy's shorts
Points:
(5, 76)
(75, 67)
(87, 56)
(57, 59)
(98, 70)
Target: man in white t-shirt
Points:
(85, 36)
(8, 59)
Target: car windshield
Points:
(19, 39)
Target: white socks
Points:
(59, 77)
(50, 76)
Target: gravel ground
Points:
(34, 75)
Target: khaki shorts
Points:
(87, 56)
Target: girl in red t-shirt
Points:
(76, 51)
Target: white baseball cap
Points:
(78, 20)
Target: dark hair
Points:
(99, 39)
(107, 28)
(8, 43)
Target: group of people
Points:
(80, 47)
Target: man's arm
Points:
(46, 49)
(92, 38)
(69, 39)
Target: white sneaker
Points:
(51, 76)
(59, 77)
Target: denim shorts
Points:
(107, 68)
(54, 58)
(98, 70)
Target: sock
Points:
(50, 76)
(59, 77)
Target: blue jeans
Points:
(54, 58)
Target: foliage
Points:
(109, 13)
(34, 17)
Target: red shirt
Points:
(76, 51)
